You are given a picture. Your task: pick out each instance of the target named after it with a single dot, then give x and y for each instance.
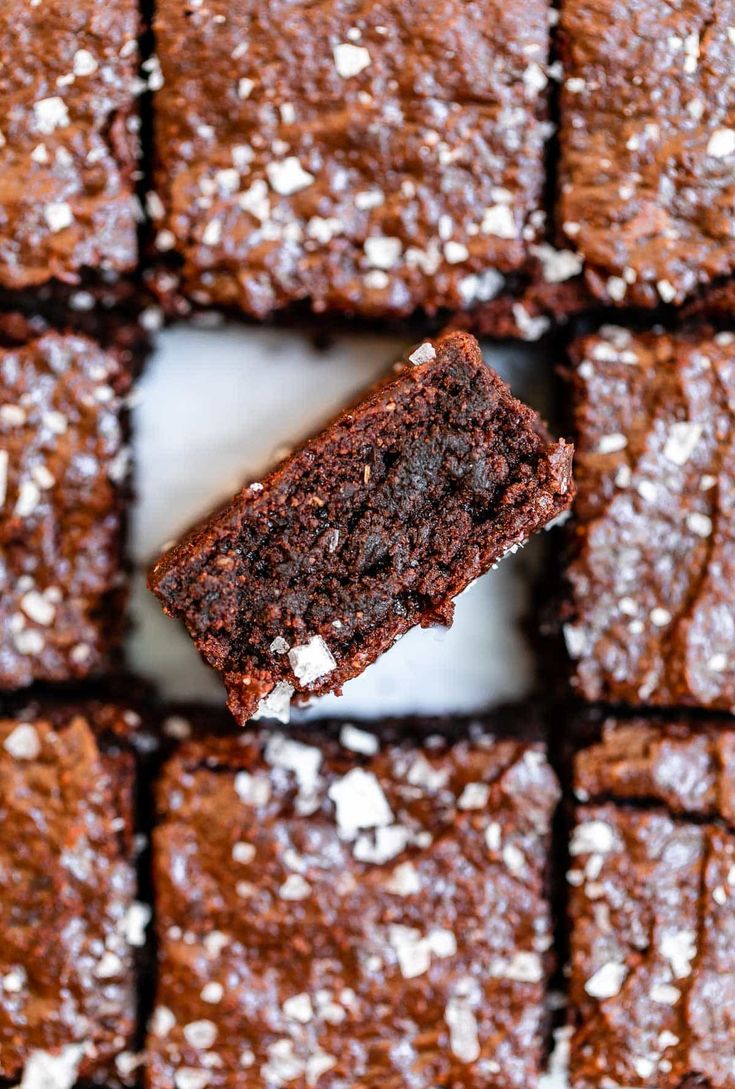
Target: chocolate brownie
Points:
(648, 145)
(651, 576)
(688, 767)
(68, 147)
(652, 908)
(62, 461)
(371, 157)
(70, 921)
(370, 528)
(366, 912)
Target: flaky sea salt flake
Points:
(423, 354)
(607, 980)
(49, 1070)
(359, 802)
(312, 660)
(277, 704)
(23, 743)
(350, 60)
(288, 176)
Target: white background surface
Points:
(212, 409)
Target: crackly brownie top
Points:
(371, 527)
(652, 580)
(687, 766)
(373, 156)
(648, 144)
(338, 913)
(61, 459)
(69, 138)
(652, 983)
(66, 897)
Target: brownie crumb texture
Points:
(69, 147)
(648, 145)
(651, 576)
(352, 912)
(62, 463)
(375, 158)
(372, 527)
(67, 896)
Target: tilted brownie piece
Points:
(352, 913)
(62, 459)
(67, 886)
(69, 147)
(688, 767)
(652, 983)
(371, 157)
(648, 145)
(371, 527)
(652, 573)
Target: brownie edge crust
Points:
(370, 528)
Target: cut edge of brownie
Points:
(537, 487)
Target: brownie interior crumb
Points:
(373, 526)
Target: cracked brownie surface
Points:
(652, 569)
(373, 157)
(370, 528)
(648, 145)
(62, 461)
(67, 888)
(69, 142)
(359, 911)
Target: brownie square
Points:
(352, 912)
(688, 768)
(648, 145)
(653, 941)
(652, 909)
(651, 576)
(69, 143)
(62, 461)
(370, 158)
(67, 886)
(368, 529)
